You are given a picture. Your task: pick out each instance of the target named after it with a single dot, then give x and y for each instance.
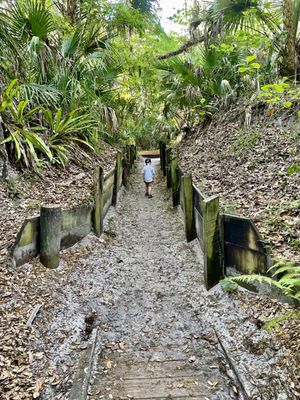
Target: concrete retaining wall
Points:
(26, 245)
(75, 225)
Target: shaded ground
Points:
(146, 289)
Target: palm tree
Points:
(227, 16)
(289, 48)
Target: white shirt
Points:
(148, 173)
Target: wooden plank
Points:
(108, 183)
(109, 174)
(163, 158)
(84, 369)
(156, 388)
(175, 181)
(168, 167)
(244, 259)
(244, 248)
(198, 199)
(117, 178)
(242, 231)
(147, 370)
(150, 153)
(211, 240)
(188, 207)
(98, 216)
(199, 227)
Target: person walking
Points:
(148, 174)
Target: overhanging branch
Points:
(182, 49)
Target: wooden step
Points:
(175, 379)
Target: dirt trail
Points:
(156, 323)
(146, 290)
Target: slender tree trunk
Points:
(71, 10)
(289, 51)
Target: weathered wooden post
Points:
(188, 207)
(128, 157)
(131, 155)
(125, 171)
(117, 178)
(160, 162)
(174, 181)
(163, 158)
(211, 240)
(98, 200)
(50, 234)
(135, 153)
(168, 167)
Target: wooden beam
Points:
(188, 207)
(50, 235)
(212, 244)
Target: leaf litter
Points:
(39, 360)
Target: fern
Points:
(288, 283)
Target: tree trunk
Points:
(288, 56)
(72, 8)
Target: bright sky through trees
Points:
(168, 9)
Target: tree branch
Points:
(182, 49)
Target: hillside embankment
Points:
(23, 192)
(253, 169)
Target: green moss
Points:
(111, 228)
(28, 234)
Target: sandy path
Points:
(146, 292)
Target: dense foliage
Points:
(79, 72)
(76, 72)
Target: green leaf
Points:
(292, 169)
(251, 58)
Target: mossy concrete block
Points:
(211, 242)
(76, 223)
(188, 207)
(26, 245)
(244, 248)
